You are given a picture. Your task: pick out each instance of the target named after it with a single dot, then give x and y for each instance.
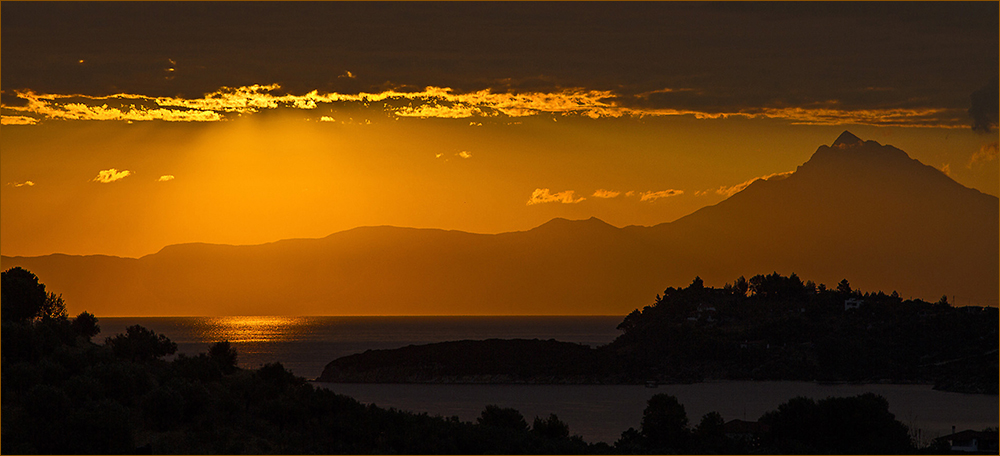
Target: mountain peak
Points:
(847, 139)
(560, 223)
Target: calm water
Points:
(600, 413)
(596, 412)
(305, 345)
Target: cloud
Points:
(985, 107)
(543, 195)
(653, 196)
(434, 102)
(110, 175)
(602, 193)
(437, 111)
(986, 153)
(18, 120)
(732, 190)
(347, 74)
(165, 177)
(916, 117)
(21, 184)
(680, 74)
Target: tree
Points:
(224, 355)
(837, 425)
(709, 435)
(551, 428)
(664, 422)
(52, 308)
(506, 418)
(277, 377)
(631, 442)
(630, 321)
(86, 325)
(844, 287)
(756, 284)
(22, 296)
(741, 287)
(140, 344)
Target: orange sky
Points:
(258, 180)
(122, 145)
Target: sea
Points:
(598, 413)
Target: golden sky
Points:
(131, 126)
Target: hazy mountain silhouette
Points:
(857, 210)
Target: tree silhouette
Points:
(52, 308)
(844, 287)
(551, 428)
(741, 287)
(664, 423)
(506, 418)
(140, 344)
(708, 435)
(22, 296)
(223, 354)
(631, 442)
(86, 325)
(838, 425)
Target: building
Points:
(969, 441)
(744, 430)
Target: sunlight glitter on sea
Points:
(250, 329)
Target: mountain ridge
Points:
(861, 210)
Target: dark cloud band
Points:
(730, 57)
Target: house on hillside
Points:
(853, 303)
(744, 430)
(969, 441)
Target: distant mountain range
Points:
(857, 210)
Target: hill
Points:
(769, 327)
(856, 209)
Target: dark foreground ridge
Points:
(770, 327)
(64, 394)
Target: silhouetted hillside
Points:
(856, 209)
(472, 361)
(64, 394)
(768, 327)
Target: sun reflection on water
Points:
(251, 329)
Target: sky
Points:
(127, 127)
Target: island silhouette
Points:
(767, 327)
(65, 394)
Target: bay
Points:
(305, 345)
(599, 413)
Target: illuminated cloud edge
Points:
(431, 102)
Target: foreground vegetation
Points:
(770, 327)
(65, 394)
(781, 328)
